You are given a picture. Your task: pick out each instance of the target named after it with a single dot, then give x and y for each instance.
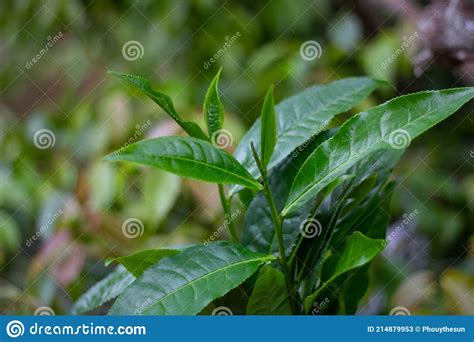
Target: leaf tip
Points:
(111, 157)
(114, 73)
(108, 261)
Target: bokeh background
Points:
(62, 208)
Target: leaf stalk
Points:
(278, 224)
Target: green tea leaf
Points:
(353, 290)
(137, 263)
(358, 251)
(304, 115)
(259, 232)
(106, 289)
(164, 101)
(269, 295)
(187, 157)
(268, 133)
(185, 283)
(390, 125)
(310, 252)
(371, 217)
(213, 107)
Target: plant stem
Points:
(227, 214)
(278, 224)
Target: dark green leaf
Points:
(371, 217)
(164, 101)
(185, 283)
(268, 133)
(269, 295)
(187, 157)
(106, 289)
(304, 115)
(140, 261)
(310, 252)
(390, 125)
(213, 107)
(354, 288)
(358, 251)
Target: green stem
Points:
(227, 214)
(278, 224)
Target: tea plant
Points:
(316, 197)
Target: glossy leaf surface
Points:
(391, 125)
(185, 283)
(187, 157)
(303, 115)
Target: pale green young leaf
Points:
(164, 101)
(213, 107)
(268, 132)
